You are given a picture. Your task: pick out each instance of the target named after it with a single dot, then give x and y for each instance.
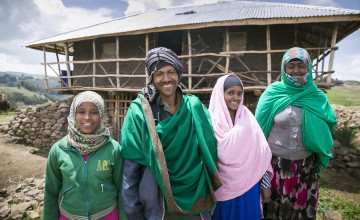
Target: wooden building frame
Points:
(318, 35)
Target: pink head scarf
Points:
(243, 152)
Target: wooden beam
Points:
(332, 53)
(268, 48)
(117, 63)
(190, 59)
(146, 52)
(67, 64)
(46, 81)
(94, 64)
(227, 49)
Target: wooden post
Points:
(323, 60)
(227, 43)
(268, 48)
(317, 60)
(146, 52)
(57, 59)
(190, 59)
(117, 64)
(94, 64)
(46, 81)
(332, 53)
(68, 71)
(296, 34)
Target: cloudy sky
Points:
(24, 21)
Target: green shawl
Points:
(318, 117)
(180, 151)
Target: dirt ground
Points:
(17, 163)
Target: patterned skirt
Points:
(295, 189)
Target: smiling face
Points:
(233, 97)
(87, 117)
(166, 81)
(296, 68)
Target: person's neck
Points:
(170, 101)
(232, 116)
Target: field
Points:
(346, 95)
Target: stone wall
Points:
(41, 127)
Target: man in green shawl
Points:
(169, 148)
(297, 119)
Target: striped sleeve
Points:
(265, 181)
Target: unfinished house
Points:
(245, 38)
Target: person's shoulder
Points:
(112, 146)
(192, 98)
(59, 146)
(63, 142)
(113, 142)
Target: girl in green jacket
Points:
(83, 173)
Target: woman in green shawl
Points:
(170, 148)
(297, 119)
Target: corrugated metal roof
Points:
(198, 14)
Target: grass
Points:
(6, 116)
(7, 90)
(339, 192)
(338, 198)
(346, 95)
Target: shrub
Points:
(344, 134)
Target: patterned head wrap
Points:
(87, 143)
(156, 59)
(297, 54)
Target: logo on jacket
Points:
(104, 165)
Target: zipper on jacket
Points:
(65, 193)
(86, 187)
(102, 187)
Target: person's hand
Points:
(265, 195)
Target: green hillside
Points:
(347, 94)
(23, 89)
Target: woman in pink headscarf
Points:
(243, 152)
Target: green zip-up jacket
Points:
(82, 188)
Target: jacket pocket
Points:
(67, 192)
(106, 187)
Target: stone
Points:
(342, 151)
(333, 215)
(353, 164)
(33, 215)
(355, 172)
(5, 212)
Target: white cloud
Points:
(348, 67)
(328, 3)
(27, 21)
(55, 14)
(141, 6)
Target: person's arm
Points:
(53, 182)
(265, 188)
(117, 178)
(130, 190)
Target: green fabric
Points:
(318, 115)
(189, 147)
(76, 186)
